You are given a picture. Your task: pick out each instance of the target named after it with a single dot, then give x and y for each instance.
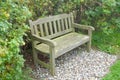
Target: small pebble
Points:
(78, 66)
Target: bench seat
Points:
(69, 42)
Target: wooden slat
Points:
(51, 29)
(36, 30)
(31, 26)
(44, 64)
(59, 27)
(50, 18)
(69, 22)
(41, 30)
(62, 22)
(55, 26)
(46, 29)
(66, 23)
(59, 33)
(72, 18)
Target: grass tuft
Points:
(114, 72)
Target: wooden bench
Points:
(55, 35)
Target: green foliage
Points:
(114, 72)
(40, 8)
(104, 16)
(13, 15)
(108, 43)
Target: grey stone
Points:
(79, 65)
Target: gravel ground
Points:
(78, 65)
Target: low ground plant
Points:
(114, 73)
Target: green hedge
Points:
(13, 16)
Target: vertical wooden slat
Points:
(51, 28)
(46, 29)
(41, 30)
(72, 18)
(59, 27)
(55, 26)
(66, 24)
(31, 26)
(36, 30)
(62, 22)
(69, 22)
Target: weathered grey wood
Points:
(46, 29)
(62, 23)
(72, 21)
(59, 33)
(36, 30)
(31, 26)
(43, 64)
(57, 36)
(72, 18)
(35, 58)
(43, 40)
(50, 18)
(59, 27)
(55, 27)
(89, 42)
(51, 29)
(66, 45)
(52, 61)
(66, 24)
(75, 25)
(41, 30)
(69, 21)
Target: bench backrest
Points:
(52, 26)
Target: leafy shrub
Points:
(104, 16)
(13, 15)
(40, 8)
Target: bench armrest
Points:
(79, 26)
(44, 40)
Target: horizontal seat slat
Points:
(65, 43)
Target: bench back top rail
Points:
(52, 26)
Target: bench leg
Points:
(89, 46)
(89, 42)
(52, 62)
(35, 57)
